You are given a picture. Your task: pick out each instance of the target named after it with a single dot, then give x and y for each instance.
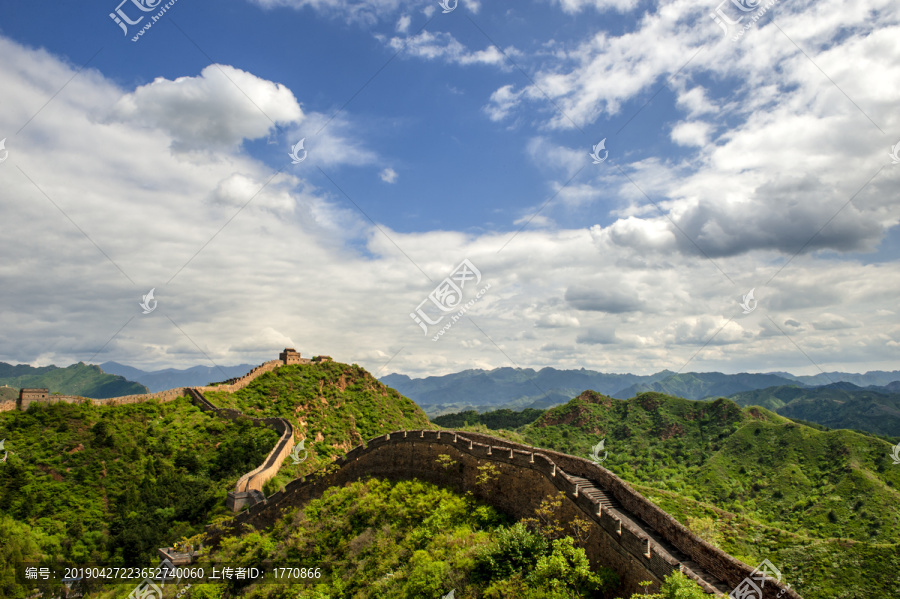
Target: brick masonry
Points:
(526, 476)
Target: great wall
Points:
(629, 533)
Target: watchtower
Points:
(26, 396)
(290, 356)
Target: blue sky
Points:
(732, 165)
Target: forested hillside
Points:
(755, 483)
(78, 379)
(843, 405)
(113, 484)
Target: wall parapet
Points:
(236, 384)
(248, 489)
(714, 560)
(624, 528)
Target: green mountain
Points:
(95, 483)
(170, 378)
(78, 379)
(700, 385)
(493, 420)
(113, 484)
(755, 483)
(876, 378)
(836, 406)
(412, 539)
(333, 406)
(511, 388)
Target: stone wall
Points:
(526, 476)
(256, 478)
(713, 560)
(229, 386)
(232, 385)
(162, 396)
(524, 480)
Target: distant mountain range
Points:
(840, 405)
(520, 388)
(513, 388)
(169, 378)
(81, 379)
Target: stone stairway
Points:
(690, 568)
(591, 489)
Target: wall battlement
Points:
(638, 539)
(248, 489)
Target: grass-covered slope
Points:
(78, 379)
(113, 484)
(333, 406)
(803, 496)
(833, 406)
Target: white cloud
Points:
(388, 175)
(693, 133)
(443, 46)
(502, 102)
(403, 24)
(298, 265)
(576, 6)
(363, 12)
(556, 320)
(215, 110)
(833, 322)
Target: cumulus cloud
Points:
(217, 109)
(693, 133)
(606, 298)
(299, 266)
(597, 336)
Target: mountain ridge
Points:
(86, 380)
(169, 378)
(521, 388)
